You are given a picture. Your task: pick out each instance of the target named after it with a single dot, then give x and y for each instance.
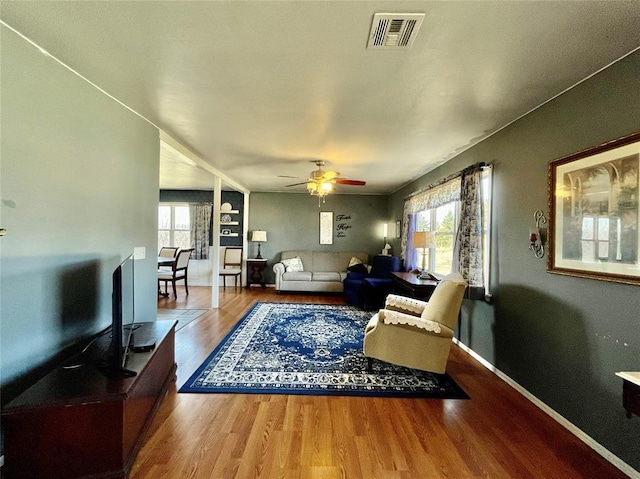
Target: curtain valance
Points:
(434, 197)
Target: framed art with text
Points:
(593, 212)
(326, 227)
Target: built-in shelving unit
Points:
(227, 222)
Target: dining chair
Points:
(178, 272)
(232, 264)
(168, 252)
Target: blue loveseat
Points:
(368, 290)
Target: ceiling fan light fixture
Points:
(326, 186)
(320, 183)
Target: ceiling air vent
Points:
(394, 30)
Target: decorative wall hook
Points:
(535, 239)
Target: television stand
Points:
(142, 340)
(79, 423)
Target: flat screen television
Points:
(123, 316)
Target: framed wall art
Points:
(326, 227)
(593, 212)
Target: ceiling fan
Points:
(320, 182)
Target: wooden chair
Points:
(168, 252)
(232, 264)
(178, 272)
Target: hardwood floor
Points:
(495, 434)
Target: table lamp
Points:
(259, 237)
(424, 240)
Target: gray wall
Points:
(292, 221)
(79, 188)
(562, 338)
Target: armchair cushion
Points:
(449, 291)
(356, 276)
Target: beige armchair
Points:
(413, 333)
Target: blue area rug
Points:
(292, 348)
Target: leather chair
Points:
(369, 290)
(413, 333)
(177, 273)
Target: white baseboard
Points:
(572, 428)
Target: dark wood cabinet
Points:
(255, 267)
(79, 423)
(631, 398)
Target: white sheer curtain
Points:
(200, 215)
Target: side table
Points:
(255, 267)
(410, 285)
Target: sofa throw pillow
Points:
(354, 261)
(293, 265)
(356, 266)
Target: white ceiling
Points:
(257, 89)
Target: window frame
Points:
(487, 190)
(433, 216)
(173, 228)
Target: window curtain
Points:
(468, 252)
(432, 196)
(411, 260)
(200, 215)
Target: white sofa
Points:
(323, 271)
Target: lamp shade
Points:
(260, 236)
(424, 239)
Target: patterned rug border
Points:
(456, 391)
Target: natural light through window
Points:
(174, 225)
(443, 221)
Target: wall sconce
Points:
(536, 242)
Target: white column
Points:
(245, 237)
(215, 270)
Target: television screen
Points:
(123, 313)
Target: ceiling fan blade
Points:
(344, 181)
(330, 175)
(296, 184)
(288, 176)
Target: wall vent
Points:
(391, 31)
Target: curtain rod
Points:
(453, 176)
